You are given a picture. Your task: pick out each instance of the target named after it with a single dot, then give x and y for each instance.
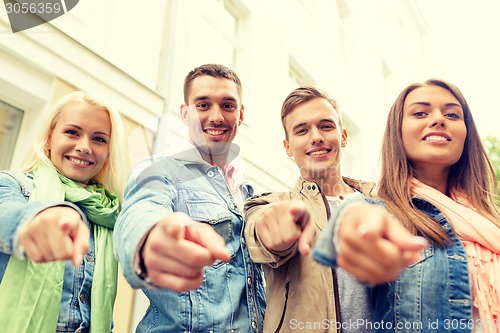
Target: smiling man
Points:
(281, 226)
(181, 208)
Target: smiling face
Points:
(315, 139)
(213, 115)
(433, 128)
(79, 143)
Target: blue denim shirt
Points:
(432, 295)
(15, 190)
(231, 297)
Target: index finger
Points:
(206, 236)
(306, 238)
(80, 234)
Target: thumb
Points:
(68, 226)
(206, 236)
(174, 225)
(403, 238)
(79, 234)
(388, 227)
(300, 213)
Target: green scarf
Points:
(31, 293)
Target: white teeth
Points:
(76, 161)
(319, 152)
(436, 138)
(214, 132)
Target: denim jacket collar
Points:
(187, 151)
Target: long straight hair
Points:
(473, 174)
(111, 174)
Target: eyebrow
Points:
(297, 126)
(204, 98)
(81, 129)
(429, 104)
(321, 121)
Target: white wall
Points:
(137, 55)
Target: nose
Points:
(215, 115)
(316, 136)
(437, 119)
(83, 146)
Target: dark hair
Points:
(214, 70)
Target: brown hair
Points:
(214, 70)
(304, 94)
(472, 174)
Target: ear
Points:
(344, 138)
(287, 147)
(46, 146)
(242, 115)
(184, 113)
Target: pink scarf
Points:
(481, 239)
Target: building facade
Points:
(136, 54)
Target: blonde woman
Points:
(57, 268)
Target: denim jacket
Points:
(15, 190)
(431, 295)
(231, 297)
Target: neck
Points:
(219, 160)
(434, 177)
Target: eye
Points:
(71, 132)
(327, 127)
(100, 139)
(202, 106)
(300, 131)
(419, 114)
(228, 106)
(453, 115)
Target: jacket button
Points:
(210, 173)
(254, 325)
(308, 187)
(249, 281)
(314, 187)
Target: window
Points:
(10, 122)
(388, 84)
(344, 28)
(223, 28)
(297, 75)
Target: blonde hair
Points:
(111, 174)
